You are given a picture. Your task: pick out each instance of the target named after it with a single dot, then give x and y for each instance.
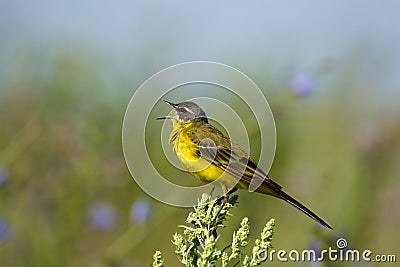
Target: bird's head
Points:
(186, 111)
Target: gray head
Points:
(187, 111)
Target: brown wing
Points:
(217, 149)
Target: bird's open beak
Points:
(167, 117)
(171, 104)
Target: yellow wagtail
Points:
(209, 155)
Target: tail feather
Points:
(303, 208)
(269, 187)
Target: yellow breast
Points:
(188, 154)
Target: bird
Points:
(208, 155)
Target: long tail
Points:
(303, 208)
(265, 185)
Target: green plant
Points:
(197, 246)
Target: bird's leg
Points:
(212, 190)
(233, 190)
(224, 198)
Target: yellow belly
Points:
(200, 168)
(188, 154)
(204, 171)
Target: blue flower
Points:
(302, 84)
(140, 211)
(3, 176)
(102, 216)
(4, 230)
(314, 246)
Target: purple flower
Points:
(314, 245)
(140, 210)
(3, 176)
(102, 216)
(4, 230)
(302, 84)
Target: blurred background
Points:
(330, 71)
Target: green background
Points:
(68, 70)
